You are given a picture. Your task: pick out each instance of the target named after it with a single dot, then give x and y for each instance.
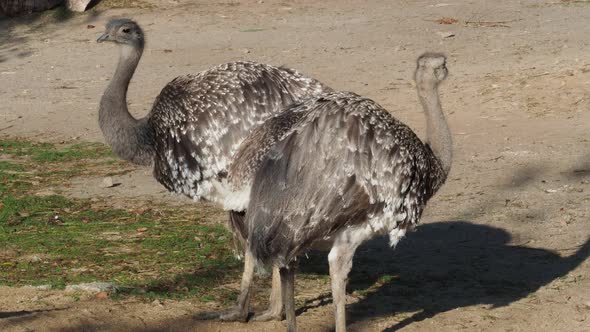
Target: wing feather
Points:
(200, 120)
(345, 161)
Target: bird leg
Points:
(240, 311)
(275, 307)
(288, 294)
(340, 259)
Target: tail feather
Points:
(238, 228)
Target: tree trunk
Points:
(21, 7)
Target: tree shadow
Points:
(580, 169)
(17, 318)
(18, 31)
(14, 314)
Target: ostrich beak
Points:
(102, 38)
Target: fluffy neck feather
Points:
(438, 135)
(130, 138)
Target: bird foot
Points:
(234, 314)
(268, 315)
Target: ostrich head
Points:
(124, 32)
(431, 68)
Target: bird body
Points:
(337, 169)
(346, 164)
(198, 121)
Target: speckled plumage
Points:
(335, 171)
(200, 120)
(197, 121)
(344, 161)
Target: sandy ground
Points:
(503, 246)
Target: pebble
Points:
(445, 34)
(107, 182)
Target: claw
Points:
(268, 315)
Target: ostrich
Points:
(337, 170)
(198, 121)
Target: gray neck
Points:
(130, 138)
(438, 135)
(116, 93)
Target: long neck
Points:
(130, 138)
(115, 96)
(438, 135)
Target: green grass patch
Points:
(67, 241)
(8, 166)
(46, 238)
(50, 153)
(29, 166)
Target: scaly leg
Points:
(241, 310)
(340, 259)
(275, 307)
(288, 294)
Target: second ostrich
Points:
(338, 170)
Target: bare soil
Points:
(503, 247)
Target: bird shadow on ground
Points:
(449, 265)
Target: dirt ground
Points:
(503, 247)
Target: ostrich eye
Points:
(126, 30)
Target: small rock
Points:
(55, 220)
(107, 182)
(550, 191)
(102, 295)
(93, 287)
(141, 230)
(445, 34)
(31, 259)
(158, 303)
